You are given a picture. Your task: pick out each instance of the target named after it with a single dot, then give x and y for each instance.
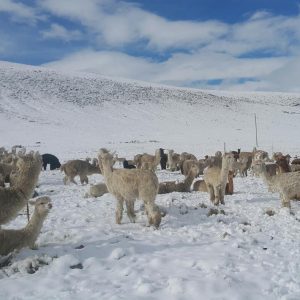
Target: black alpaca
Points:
(52, 160)
(126, 165)
(163, 159)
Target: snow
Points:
(243, 253)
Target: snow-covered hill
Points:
(42, 105)
(245, 253)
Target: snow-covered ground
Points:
(242, 254)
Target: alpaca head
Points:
(42, 205)
(194, 171)
(154, 215)
(105, 159)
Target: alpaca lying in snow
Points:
(23, 182)
(97, 190)
(129, 185)
(16, 239)
(216, 179)
(185, 186)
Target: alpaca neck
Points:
(157, 158)
(224, 171)
(26, 183)
(107, 172)
(34, 226)
(267, 177)
(189, 179)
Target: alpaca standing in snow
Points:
(216, 179)
(173, 160)
(128, 185)
(150, 162)
(185, 186)
(16, 239)
(14, 198)
(82, 168)
(287, 184)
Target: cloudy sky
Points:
(218, 44)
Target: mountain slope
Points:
(47, 105)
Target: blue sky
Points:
(219, 44)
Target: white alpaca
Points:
(97, 190)
(23, 182)
(173, 161)
(150, 162)
(16, 239)
(287, 184)
(216, 178)
(128, 185)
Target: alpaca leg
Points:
(217, 191)
(285, 202)
(72, 179)
(153, 214)
(66, 180)
(221, 196)
(119, 210)
(211, 193)
(130, 210)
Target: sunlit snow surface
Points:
(244, 254)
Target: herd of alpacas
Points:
(19, 173)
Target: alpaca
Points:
(173, 161)
(126, 165)
(200, 186)
(137, 160)
(129, 185)
(97, 190)
(287, 184)
(216, 179)
(282, 163)
(16, 239)
(150, 162)
(163, 159)
(187, 164)
(82, 168)
(7, 168)
(295, 168)
(52, 160)
(23, 182)
(241, 166)
(185, 186)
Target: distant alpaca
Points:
(97, 190)
(163, 159)
(129, 185)
(150, 162)
(216, 179)
(24, 180)
(82, 168)
(287, 184)
(187, 164)
(173, 161)
(126, 165)
(16, 239)
(7, 168)
(185, 186)
(282, 163)
(52, 160)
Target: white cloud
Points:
(57, 31)
(19, 11)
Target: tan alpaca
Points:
(185, 186)
(97, 190)
(150, 162)
(80, 168)
(7, 168)
(16, 239)
(286, 184)
(131, 184)
(187, 164)
(200, 186)
(23, 182)
(173, 161)
(216, 179)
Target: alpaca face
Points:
(42, 205)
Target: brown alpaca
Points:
(24, 180)
(128, 185)
(185, 186)
(283, 165)
(82, 168)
